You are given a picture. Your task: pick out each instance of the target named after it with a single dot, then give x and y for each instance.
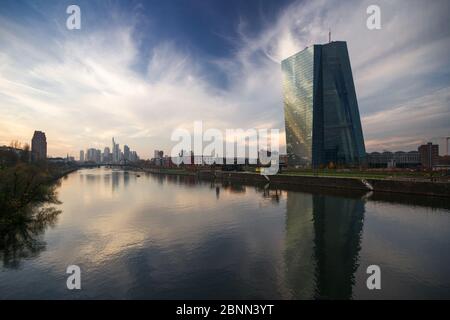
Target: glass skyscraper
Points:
(322, 119)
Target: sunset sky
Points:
(137, 70)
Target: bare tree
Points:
(15, 144)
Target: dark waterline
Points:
(144, 236)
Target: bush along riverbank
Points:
(27, 193)
(24, 184)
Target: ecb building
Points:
(322, 119)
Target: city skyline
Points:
(109, 155)
(131, 73)
(259, 151)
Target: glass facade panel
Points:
(343, 143)
(298, 76)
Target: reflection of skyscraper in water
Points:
(115, 176)
(126, 178)
(106, 179)
(299, 248)
(338, 224)
(323, 235)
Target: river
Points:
(145, 236)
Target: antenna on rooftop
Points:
(329, 35)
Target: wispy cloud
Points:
(83, 88)
(401, 72)
(405, 126)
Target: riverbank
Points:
(411, 187)
(62, 174)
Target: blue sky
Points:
(137, 70)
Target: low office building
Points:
(399, 159)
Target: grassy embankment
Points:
(353, 173)
(362, 174)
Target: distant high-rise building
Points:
(107, 155)
(134, 156)
(126, 153)
(38, 146)
(397, 159)
(94, 155)
(117, 155)
(322, 119)
(429, 155)
(98, 156)
(158, 157)
(81, 155)
(91, 155)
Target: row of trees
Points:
(9, 156)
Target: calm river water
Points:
(137, 235)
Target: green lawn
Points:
(356, 174)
